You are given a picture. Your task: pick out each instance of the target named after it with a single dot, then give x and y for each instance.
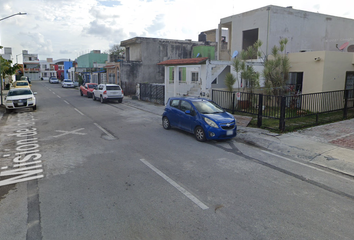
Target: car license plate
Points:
(20, 104)
(229, 132)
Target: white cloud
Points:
(66, 28)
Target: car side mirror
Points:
(34, 93)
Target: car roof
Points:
(192, 99)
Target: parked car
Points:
(21, 84)
(203, 117)
(25, 78)
(87, 89)
(67, 83)
(20, 98)
(106, 92)
(53, 80)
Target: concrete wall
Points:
(304, 30)
(145, 53)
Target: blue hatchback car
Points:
(204, 118)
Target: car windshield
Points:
(22, 84)
(20, 92)
(67, 81)
(53, 78)
(113, 87)
(92, 86)
(207, 107)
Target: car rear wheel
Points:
(120, 100)
(166, 123)
(81, 93)
(102, 100)
(88, 94)
(93, 97)
(199, 134)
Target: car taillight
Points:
(105, 92)
(122, 92)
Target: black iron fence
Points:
(152, 92)
(285, 107)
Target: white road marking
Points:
(66, 102)
(4, 168)
(58, 96)
(178, 187)
(79, 112)
(53, 92)
(70, 132)
(303, 164)
(103, 130)
(6, 155)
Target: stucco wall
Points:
(152, 51)
(304, 30)
(326, 74)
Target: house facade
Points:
(47, 69)
(31, 65)
(308, 34)
(142, 56)
(305, 31)
(91, 66)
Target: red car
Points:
(87, 89)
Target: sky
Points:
(67, 29)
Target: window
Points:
(195, 77)
(172, 74)
(294, 84)
(174, 103)
(249, 38)
(186, 106)
(349, 84)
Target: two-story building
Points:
(31, 65)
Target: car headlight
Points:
(8, 101)
(210, 122)
(30, 99)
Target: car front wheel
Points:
(81, 93)
(199, 134)
(166, 123)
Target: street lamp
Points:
(20, 13)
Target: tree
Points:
(243, 64)
(230, 81)
(276, 70)
(116, 49)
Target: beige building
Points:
(322, 71)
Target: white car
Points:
(18, 98)
(53, 80)
(106, 92)
(67, 83)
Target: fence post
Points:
(345, 110)
(233, 103)
(260, 110)
(282, 114)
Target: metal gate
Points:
(152, 92)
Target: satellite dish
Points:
(350, 48)
(235, 54)
(343, 46)
(198, 55)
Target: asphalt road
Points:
(110, 171)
